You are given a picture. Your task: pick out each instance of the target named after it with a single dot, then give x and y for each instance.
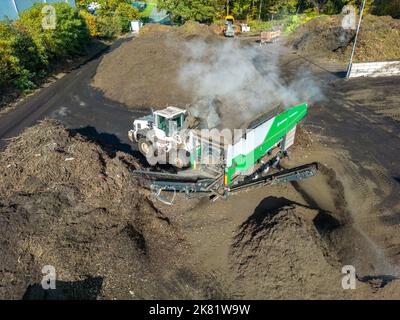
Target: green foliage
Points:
(198, 10)
(67, 39)
(27, 50)
(126, 13)
(91, 22)
(283, 7)
(205, 11)
(257, 25)
(294, 21)
(106, 6)
(24, 81)
(112, 18)
(20, 60)
(385, 7)
(9, 63)
(287, 24)
(108, 27)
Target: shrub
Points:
(384, 7)
(257, 25)
(27, 52)
(9, 63)
(108, 26)
(24, 81)
(91, 22)
(293, 22)
(289, 23)
(67, 39)
(126, 13)
(26, 49)
(20, 61)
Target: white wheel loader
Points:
(164, 133)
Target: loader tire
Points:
(144, 146)
(179, 158)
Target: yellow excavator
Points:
(229, 27)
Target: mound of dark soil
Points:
(379, 39)
(64, 202)
(144, 72)
(323, 34)
(279, 254)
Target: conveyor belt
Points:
(161, 182)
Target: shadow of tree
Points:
(109, 142)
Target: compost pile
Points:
(66, 203)
(279, 254)
(193, 68)
(144, 72)
(379, 39)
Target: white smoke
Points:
(243, 80)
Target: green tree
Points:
(126, 13)
(106, 6)
(385, 7)
(9, 63)
(282, 7)
(20, 61)
(67, 39)
(111, 18)
(108, 26)
(198, 10)
(26, 49)
(335, 6)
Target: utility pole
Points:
(15, 7)
(355, 40)
(227, 7)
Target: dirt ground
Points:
(291, 241)
(65, 202)
(68, 203)
(383, 101)
(144, 72)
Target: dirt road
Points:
(77, 105)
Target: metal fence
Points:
(11, 8)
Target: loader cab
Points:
(170, 120)
(229, 20)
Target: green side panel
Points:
(282, 124)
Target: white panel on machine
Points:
(289, 138)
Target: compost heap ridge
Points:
(378, 39)
(283, 246)
(65, 202)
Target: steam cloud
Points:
(234, 83)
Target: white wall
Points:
(375, 69)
